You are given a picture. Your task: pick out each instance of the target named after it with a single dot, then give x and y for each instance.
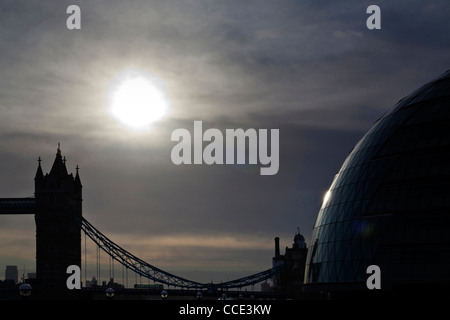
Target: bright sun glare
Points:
(138, 103)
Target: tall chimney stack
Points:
(277, 247)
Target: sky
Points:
(311, 69)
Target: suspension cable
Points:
(150, 272)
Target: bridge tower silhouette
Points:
(58, 199)
(58, 196)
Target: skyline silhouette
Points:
(311, 70)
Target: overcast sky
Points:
(311, 69)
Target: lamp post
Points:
(25, 290)
(109, 293)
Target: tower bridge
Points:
(57, 209)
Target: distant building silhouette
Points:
(12, 273)
(31, 275)
(290, 280)
(265, 287)
(91, 283)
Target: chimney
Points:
(277, 247)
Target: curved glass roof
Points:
(389, 203)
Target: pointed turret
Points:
(59, 167)
(77, 177)
(39, 174)
(39, 180)
(77, 183)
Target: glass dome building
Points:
(389, 204)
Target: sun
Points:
(137, 102)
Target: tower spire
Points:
(59, 166)
(77, 178)
(39, 173)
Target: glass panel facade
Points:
(389, 204)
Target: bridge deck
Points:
(17, 206)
